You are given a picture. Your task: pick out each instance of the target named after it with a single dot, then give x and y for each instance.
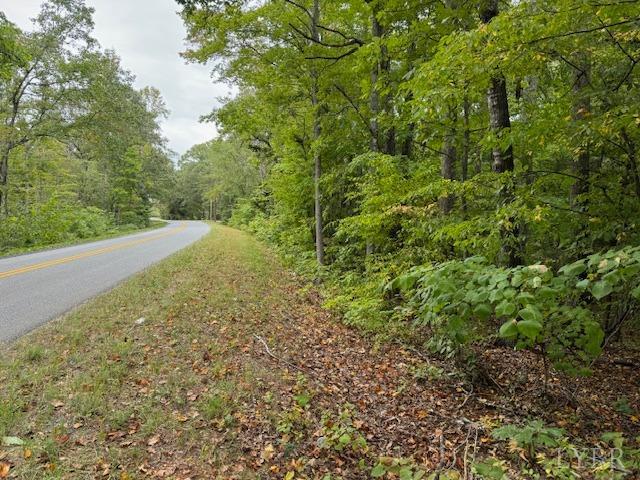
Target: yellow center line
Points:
(90, 253)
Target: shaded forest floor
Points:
(220, 363)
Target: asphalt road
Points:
(39, 287)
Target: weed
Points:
(35, 353)
(342, 432)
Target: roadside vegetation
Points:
(456, 185)
(238, 372)
(81, 153)
(80, 230)
(459, 177)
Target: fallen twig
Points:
(270, 353)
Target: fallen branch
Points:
(270, 353)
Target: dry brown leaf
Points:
(268, 452)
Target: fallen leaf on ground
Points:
(12, 441)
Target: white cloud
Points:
(148, 36)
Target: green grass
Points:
(116, 232)
(94, 392)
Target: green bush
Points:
(52, 223)
(562, 314)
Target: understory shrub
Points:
(564, 315)
(52, 223)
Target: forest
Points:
(458, 177)
(81, 149)
(467, 167)
(459, 174)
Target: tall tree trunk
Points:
(317, 132)
(384, 140)
(466, 139)
(499, 120)
(374, 98)
(632, 162)
(4, 182)
(466, 146)
(502, 158)
(581, 108)
(406, 146)
(498, 101)
(448, 160)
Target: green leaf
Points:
(509, 293)
(505, 308)
(530, 313)
(525, 297)
(601, 289)
(509, 329)
(406, 473)
(574, 269)
(378, 471)
(636, 292)
(12, 441)
(582, 284)
(491, 469)
(529, 328)
(517, 280)
(407, 281)
(483, 311)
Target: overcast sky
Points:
(148, 36)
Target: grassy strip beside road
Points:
(98, 393)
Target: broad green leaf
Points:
(509, 329)
(378, 471)
(406, 473)
(529, 328)
(530, 313)
(505, 308)
(574, 269)
(582, 284)
(601, 289)
(483, 311)
(12, 441)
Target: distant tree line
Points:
(80, 146)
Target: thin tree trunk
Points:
(317, 132)
(374, 98)
(632, 162)
(447, 165)
(466, 139)
(376, 144)
(502, 158)
(4, 182)
(406, 146)
(582, 106)
(499, 120)
(498, 101)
